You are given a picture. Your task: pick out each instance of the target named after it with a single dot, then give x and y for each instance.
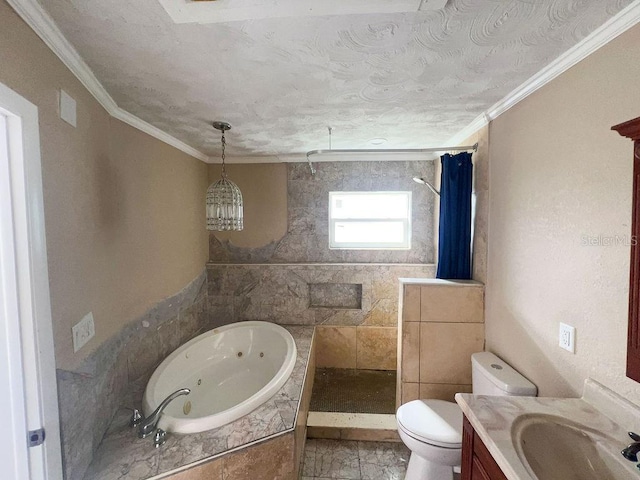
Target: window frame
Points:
(407, 224)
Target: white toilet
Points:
(432, 429)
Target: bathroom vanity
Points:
(537, 438)
(477, 462)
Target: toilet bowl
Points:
(432, 429)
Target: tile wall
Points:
(272, 459)
(349, 337)
(365, 348)
(89, 396)
(441, 323)
(299, 280)
(307, 236)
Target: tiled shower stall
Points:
(298, 279)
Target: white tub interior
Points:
(230, 370)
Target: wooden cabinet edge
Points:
(477, 462)
(631, 129)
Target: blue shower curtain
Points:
(454, 246)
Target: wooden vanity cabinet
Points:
(477, 462)
(631, 129)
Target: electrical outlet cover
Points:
(567, 337)
(83, 331)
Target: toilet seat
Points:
(435, 422)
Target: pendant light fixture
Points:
(224, 199)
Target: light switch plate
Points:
(83, 331)
(567, 337)
(68, 108)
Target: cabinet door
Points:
(477, 462)
(477, 470)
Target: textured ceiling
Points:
(414, 79)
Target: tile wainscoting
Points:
(90, 396)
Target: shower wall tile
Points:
(452, 304)
(442, 391)
(411, 303)
(377, 348)
(410, 367)
(335, 295)
(410, 392)
(307, 237)
(435, 351)
(446, 349)
(336, 347)
(281, 293)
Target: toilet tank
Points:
(493, 376)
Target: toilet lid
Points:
(433, 421)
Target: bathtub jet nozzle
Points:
(150, 423)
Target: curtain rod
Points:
(339, 151)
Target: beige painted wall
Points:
(124, 212)
(264, 192)
(558, 174)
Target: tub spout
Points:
(149, 424)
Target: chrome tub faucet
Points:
(148, 425)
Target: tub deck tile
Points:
(123, 456)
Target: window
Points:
(370, 220)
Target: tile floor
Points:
(349, 460)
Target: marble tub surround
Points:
(124, 456)
(307, 236)
(600, 409)
(90, 396)
(272, 459)
(441, 323)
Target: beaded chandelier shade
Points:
(224, 199)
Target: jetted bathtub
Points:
(230, 370)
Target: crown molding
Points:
(44, 26)
(161, 135)
(615, 26)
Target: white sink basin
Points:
(555, 448)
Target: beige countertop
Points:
(495, 419)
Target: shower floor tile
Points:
(354, 391)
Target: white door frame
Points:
(24, 297)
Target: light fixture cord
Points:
(224, 144)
